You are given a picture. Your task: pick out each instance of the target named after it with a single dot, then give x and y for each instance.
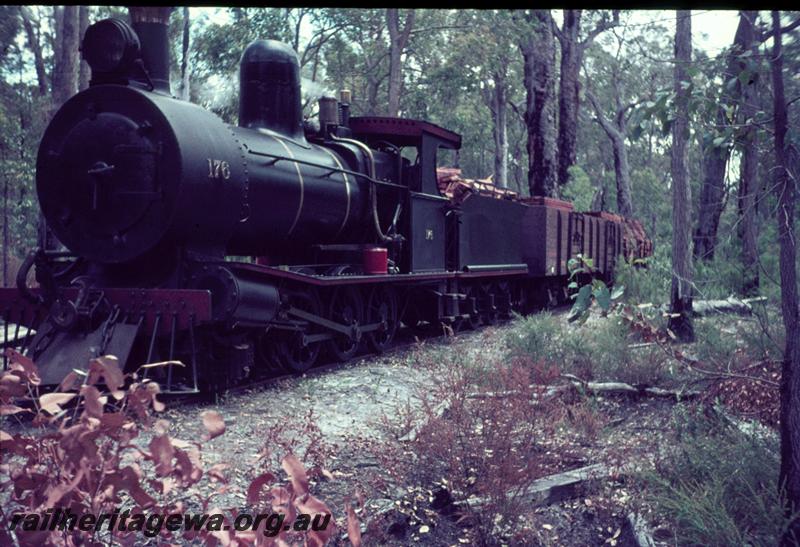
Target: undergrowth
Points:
(718, 485)
(95, 446)
(602, 349)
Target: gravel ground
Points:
(355, 405)
(352, 415)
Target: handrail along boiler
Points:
(154, 197)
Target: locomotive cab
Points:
(425, 222)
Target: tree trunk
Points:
(500, 131)
(6, 239)
(569, 89)
(496, 99)
(790, 374)
(373, 86)
(65, 72)
(681, 296)
(56, 37)
(398, 40)
(185, 56)
(748, 184)
(85, 72)
(572, 49)
(715, 158)
(538, 51)
(622, 174)
(616, 134)
(599, 198)
(712, 196)
(36, 48)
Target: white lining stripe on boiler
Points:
(347, 189)
(300, 178)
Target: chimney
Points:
(151, 24)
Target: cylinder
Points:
(375, 260)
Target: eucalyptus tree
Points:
(363, 33)
(573, 45)
(731, 107)
(66, 67)
(536, 43)
(786, 189)
(681, 295)
(399, 35)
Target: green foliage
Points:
(719, 484)
(538, 336)
(596, 351)
(579, 190)
(593, 291)
(646, 281)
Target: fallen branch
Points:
(552, 488)
(642, 536)
(621, 388)
(729, 305)
(596, 388)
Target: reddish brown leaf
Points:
(161, 451)
(297, 474)
(7, 410)
(254, 490)
(92, 401)
(214, 424)
(27, 365)
(128, 479)
(11, 386)
(313, 506)
(353, 527)
(106, 367)
(190, 473)
(113, 419)
(51, 402)
(58, 492)
(70, 382)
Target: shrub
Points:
(649, 284)
(88, 451)
(538, 336)
(719, 484)
(483, 436)
(598, 350)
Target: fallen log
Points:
(729, 305)
(552, 488)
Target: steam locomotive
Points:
(227, 250)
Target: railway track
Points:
(405, 339)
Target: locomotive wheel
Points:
(346, 307)
(267, 356)
(474, 320)
(382, 308)
(291, 350)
